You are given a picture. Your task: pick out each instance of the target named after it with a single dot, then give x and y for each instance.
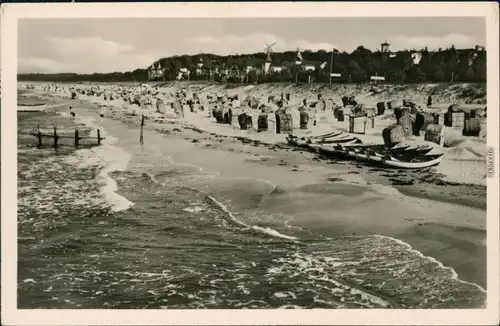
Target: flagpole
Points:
(331, 66)
(296, 69)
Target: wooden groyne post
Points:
(77, 138)
(39, 135)
(141, 138)
(56, 137)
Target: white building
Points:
(183, 73)
(377, 79)
(309, 67)
(277, 69)
(416, 57)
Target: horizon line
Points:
(246, 54)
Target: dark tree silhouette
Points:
(465, 65)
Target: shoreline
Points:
(437, 189)
(462, 248)
(410, 185)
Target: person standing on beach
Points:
(101, 113)
(313, 108)
(279, 116)
(318, 108)
(160, 107)
(71, 113)
(321, 105)
(303, 107)
(177, 106)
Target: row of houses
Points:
(258, 67)
(261, 67)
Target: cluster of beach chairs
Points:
(280, 116)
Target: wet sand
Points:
(456, 242)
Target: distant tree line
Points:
(444, 65)
(136, 75)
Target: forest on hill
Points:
(443, 65)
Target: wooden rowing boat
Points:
(402, 160)
(332, 147)
(322, 148)
(420, 150)
(397, 150)
(416, 162)
(303, 141)
(330, 140)
(345, 141)
(376, 146)
(330, 134)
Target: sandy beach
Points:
(188, 157)
(440, 212)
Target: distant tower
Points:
(384, 47)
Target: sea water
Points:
(167, 225)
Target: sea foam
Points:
(438, 263)
(112, 158)
(267, 231)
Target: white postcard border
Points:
(10, 13)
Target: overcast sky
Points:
(122, 44)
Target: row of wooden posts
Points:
(56, 137)
(76, 137)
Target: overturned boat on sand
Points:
(335, 137)
(342, 144)
(402, 157)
